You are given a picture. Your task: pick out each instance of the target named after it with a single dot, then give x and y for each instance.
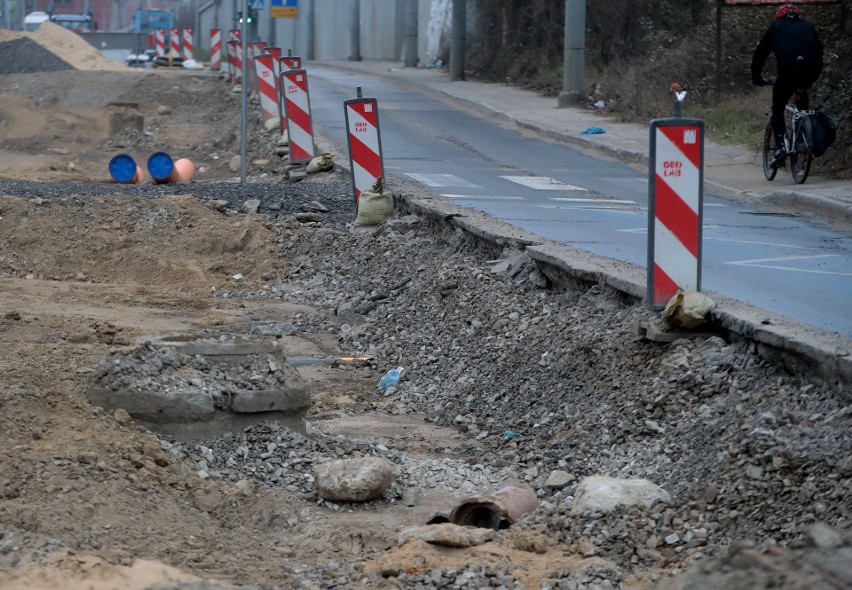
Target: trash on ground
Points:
(593, 131)
(688, 310)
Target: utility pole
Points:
(355, 50)
(411, 33)
(457, 40)
(311, 33)
(575, 53)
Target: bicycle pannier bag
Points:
(825, 132)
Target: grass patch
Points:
(737, 122)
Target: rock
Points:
(250, 206)
(122, 417)
(308, 217)
(164, 110)
(236, 164)
(599, 493)
(353, 480)
(447, 535)
(558, 479)
(822, 536)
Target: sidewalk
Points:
(733, 171)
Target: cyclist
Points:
(798, 53)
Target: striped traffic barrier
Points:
(175, 43)
(266, 86)
(675, 208)
(160, 42)
(123, 169)
(275, 52)
(365, 143)
(297, 108)
(238, 62)
(187, 43)
(232, 58)
(216, 49)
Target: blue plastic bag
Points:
(593, 131)
(391, 378)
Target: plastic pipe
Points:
(183, 171)
(160, 166)
(123, 169)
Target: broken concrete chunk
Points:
(603, 494)
(354, 480)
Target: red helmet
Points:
(786, 10)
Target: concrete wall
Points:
(382, 28)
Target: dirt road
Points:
(506, 382)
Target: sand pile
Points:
(67, 45)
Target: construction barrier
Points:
(187, 43)
(160, 42)
(175, 43)
(291, 62)
(266, 86)
(675, 208)
(297, 110)
(215, 49)
(275, 52)
(365, 143)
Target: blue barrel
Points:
(122, 168)
(160, 166)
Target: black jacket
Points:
(789, 39)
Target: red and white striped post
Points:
(187, 43)
(675, 208)
(365, 143)
(216, 49)
(160, 42)
(238, 62)
(297, 107)
(266, 86)
(275, 52)
(174, 43)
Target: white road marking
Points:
(436, 180)
(610, 201)
(752, 242)
(589, 208)
(543, 183)
(759, 262)
(484, 197)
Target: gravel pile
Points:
(25, 56)
(745, 450)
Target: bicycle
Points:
(798, 143)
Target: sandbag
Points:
(375, 206)
(272, 124)
(284, 139)
(322, 163)
(688, 310)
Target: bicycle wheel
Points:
(803, 150)
(769, 154)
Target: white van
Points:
(34, 19)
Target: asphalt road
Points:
(796, 267)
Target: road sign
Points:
(257, 4)
(284, 8)
(675, 206)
